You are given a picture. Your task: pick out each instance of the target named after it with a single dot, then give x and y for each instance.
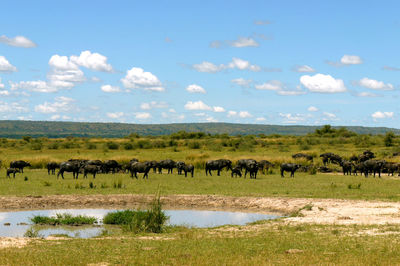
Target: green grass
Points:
(302, 185)
(63, 219)
(272, 243)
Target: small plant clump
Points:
(64, 219)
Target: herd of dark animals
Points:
(363, 164)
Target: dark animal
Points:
(264, 165)
(242, 163)
(91, 169)
(218, 165)
(179, 166)
(347, 166)
(391, 168)
(188, 168)
(12, 171)
(166, 164)
(302, 156)
(358, 167)
(324, 169)
(140, 167)
(251, 167)
(396, 154)
(153, 164)
(236, 172)
(330, 158)
(111, 166)
(71, 166)
(373, 166)
(289, 167)
(325, 157)
(19, 165)
(51, 167)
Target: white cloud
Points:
(273, 85)
(93, 61)
(329, 115)
(243, 65)
(153, 104)
(64, 73)
(244, 114)
(351, 60)
(242, 82)
(211, 119)
(208, 67)
(244, 42)
(137, 78)
(13, 107)
(231, 113)
(260, 119)
(236, 63)
(195, 89)
(1, 85)
(367, 94)
(375, 84)
(323, 83)
(4, 93)
(382, 115)
(115, 115)
(199, 105)
(312, 109)
(292, 119)
(290, 92)
(5, 65)
(218, 109)
(303, 69)
(142, 116)
(36, 86)
(17, 41)
(109, 88)
(60, 104)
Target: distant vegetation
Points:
(51, 129)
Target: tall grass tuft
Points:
(64, 219)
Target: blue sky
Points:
(267, 62)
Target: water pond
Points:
(16, 224)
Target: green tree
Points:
(389, 139)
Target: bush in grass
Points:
(119, 217)
(112, 145)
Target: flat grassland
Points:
(274, 242)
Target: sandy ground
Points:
(323, 211)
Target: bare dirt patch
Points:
(11, 242)
(319, 211)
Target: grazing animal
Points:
(91, 169)
(302, 156)
(153, 164)
(391, 168)
(218, 165)
(242, 163)
(347, 167)
(358, 167)
(12, 171)
(264, 165)
(373, 166)
(140, 167)
(111, 166)
(330, 158)
(188, 168)
(179, 166)
(19, 165)
(166, 164)
(51, 167)
(71, 166)
(289, 167)
(236, 172)
(252, 168)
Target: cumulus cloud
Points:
(329, 116)
(260, 119)
(211, 119)
(13, 107)
(231, 113)
(5, 65)
(245, 83)
(195, 89)
(35, 86)
(218, 109)
(142, 116)
(351, 60)
(115, 115)
(64, 73)
(374, 84)
(60, 104)
(199, 105)
(240, 42)
(93, 61)
(292, 118)
(382, 115)
(323, 83)
(153, 104)
(303, 69)
(312, 109)
(137, 78)
(273, 85)
(241, 114)
(367, 94)
(236, 63)
(109, 88)
(1, 85)
(17, 41)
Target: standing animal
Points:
(264, 165)
(236, 171)
(302, 156)
(51, 167)
(347, 167)
(289, 167)
(153, 164)
(358, 167)
(330, 158)
(91, 169)
(12, 171)
(242, 163)
(140, 167)
(391, 168)
(111, 166)
(188, 168)
(218, 165)
(373, 166)
(71, 166)
(166, 164)
(179, 166)
(252, 168)
(19, 165)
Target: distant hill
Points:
(17, 129)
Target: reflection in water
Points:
(20, 222)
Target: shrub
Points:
(194, 145)
(112, 145)
(119, 217)
(91, 146)
(53, 146)
(128, 146)
(64, 219)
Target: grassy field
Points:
(270, 243)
